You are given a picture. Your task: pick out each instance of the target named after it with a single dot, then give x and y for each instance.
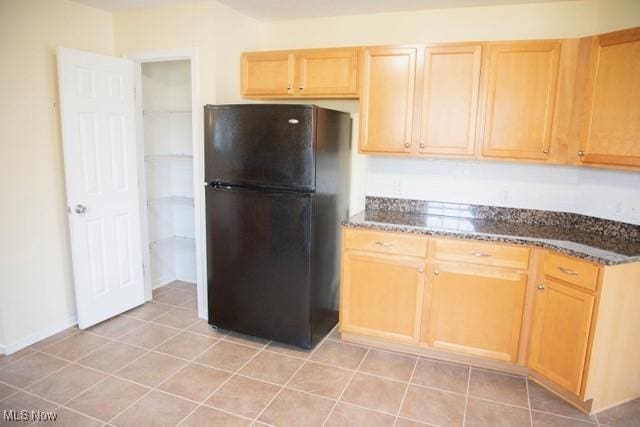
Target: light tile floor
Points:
(159, 364)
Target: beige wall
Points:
(218, 31)
(526, 21)
(35, 269)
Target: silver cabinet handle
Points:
(581, 153)
(80, 209)
(421, 145)
(541, 287)
(545, 151)
(385, 244)
(420, 270)
(407, 145)
(436, 272)
(301, 88)
(479, 254)
(568, 271)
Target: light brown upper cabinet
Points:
(450, 100)
(313, 73)
(610, 131)
(387, 99)
(267, 74)
(327, 72)
(518, 99)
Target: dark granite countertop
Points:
(598, 240)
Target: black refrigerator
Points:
(277, 189)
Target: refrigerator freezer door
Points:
(258, 263)
(260, 145)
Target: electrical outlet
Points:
(397, 187)
(505, 195)
(619, 210)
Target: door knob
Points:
(541, 287)
(407, 145)
(80, 209)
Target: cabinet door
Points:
(382, 295)
(519, 99)
(450, 100)
(267, 74)
(327, 72)
(387, 101)
(611, 124)
(560, 334)
(475, 310)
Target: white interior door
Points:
(97, 110)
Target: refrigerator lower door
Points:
(258, 263)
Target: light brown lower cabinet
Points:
(382, 295)
(569, 324)
(560, 334)
(475, 309)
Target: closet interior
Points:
(168, 164)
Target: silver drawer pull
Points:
(567, 271)
(385, 244)
(479, 254)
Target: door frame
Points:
(165, 55)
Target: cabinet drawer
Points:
(388, 243)
(571, 270)
(481, 253)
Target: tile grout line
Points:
(283, 386)
(256, 419)
(346, 387)
(406, 391)
(264, 348)
(526, 383)
(466, 398)
(108, 374)
(151, 389)
(223, 384)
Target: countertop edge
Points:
(425, 231)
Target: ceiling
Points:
(270, 10)
(121, 5)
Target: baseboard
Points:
(160, 282)
(38, 336)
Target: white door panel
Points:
(97, 110)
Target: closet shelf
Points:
(178, 242)
(171, 199)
